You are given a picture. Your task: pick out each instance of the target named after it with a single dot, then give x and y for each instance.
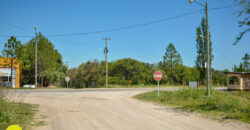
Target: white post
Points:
(158, 87)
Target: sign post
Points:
(158, 76)
(67, 80)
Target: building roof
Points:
(237, 72)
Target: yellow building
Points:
(5, 72)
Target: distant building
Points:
(238, 80)
(5, 72)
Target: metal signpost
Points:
(158, 76)
(67, 80)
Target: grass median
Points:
(16, 114)
(220, 105)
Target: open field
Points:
(112, 109)
(221, 105)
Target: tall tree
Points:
(49, 61)
(246, 63)
(244, 23)
(171, 59)
(12, 50)
(201, 46)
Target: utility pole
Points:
(35, 58)
(208, 46)
(208, 54)
(106, 51)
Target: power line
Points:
(15, 26)
(224, 7)
(120, 28)
(143, 24)
(128, 27)
(76, 43)
(78, 57)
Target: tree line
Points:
(51, 69)
(127, 71)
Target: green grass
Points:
(140, 86)
(220, 105)
(16, 113)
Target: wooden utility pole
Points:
(208, 54)
(208, 63)
(106, 52)
(35, 58)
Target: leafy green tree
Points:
(244, 23)
(48, 59)
(89, 72)
(53, 76)
(72, 74)
(219, 77)
(128, 69)
(185, 74)
(201, 46)
(171, 59)
(12, 49)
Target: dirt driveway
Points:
(114, 110)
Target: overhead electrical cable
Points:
(122, 28)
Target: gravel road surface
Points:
(112, 110)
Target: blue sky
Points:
(146, 44)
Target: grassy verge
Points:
(220, 105)
(142, 86)
(16, 113)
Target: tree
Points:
(246, 63)
(171, 59)
(244, 23)
(89, 72)
(12, 49)
(201, 46)
(48, 59)
(244, 66)
(239, 69)
(72, 73)
(130, 71)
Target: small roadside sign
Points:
(158, 76)
(67, 80)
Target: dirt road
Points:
(114, 110)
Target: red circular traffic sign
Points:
(158, 75)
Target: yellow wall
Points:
(6, 62)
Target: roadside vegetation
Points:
(220, 105)
(126, 72)
(12, 113)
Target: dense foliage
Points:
(244, 66)
(51, 70)
(201, 46)
(127, 71)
